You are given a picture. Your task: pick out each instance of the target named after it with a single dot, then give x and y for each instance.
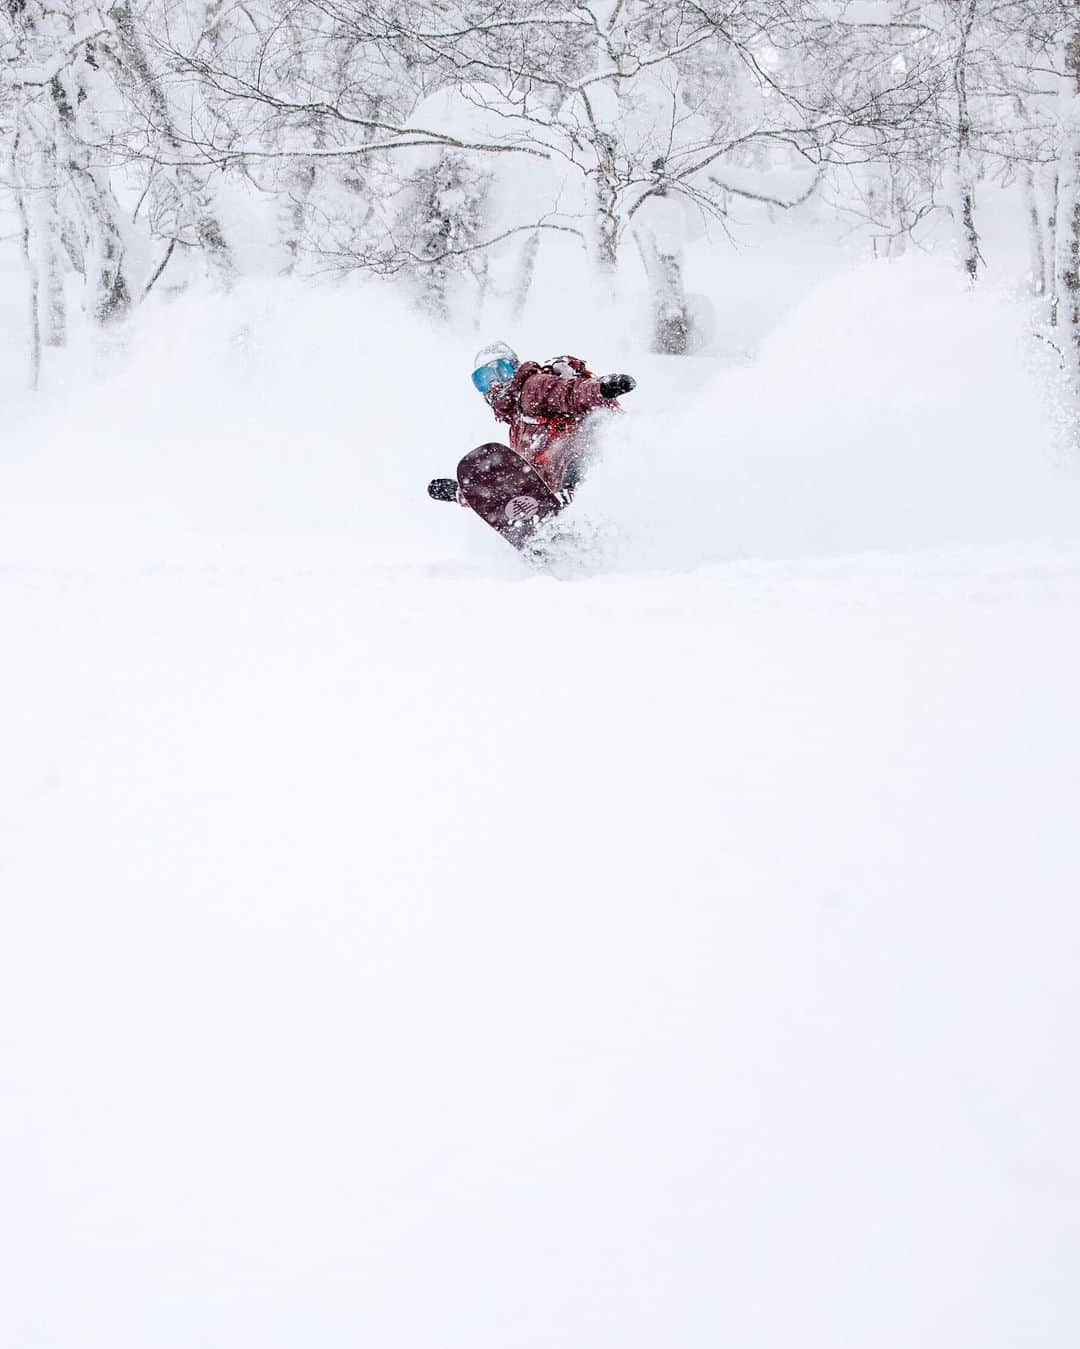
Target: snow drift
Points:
(893, 409)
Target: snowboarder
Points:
(547, 408)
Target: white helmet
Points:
(494, 365)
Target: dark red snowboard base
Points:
(503, 490)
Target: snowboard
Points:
(506, 492)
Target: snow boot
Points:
(443, 489)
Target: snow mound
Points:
(895, 409)
(280, 409)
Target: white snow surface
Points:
(402, 948)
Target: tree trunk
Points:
(606, 220)
(105, 249)
(32, 273)
(603, 114)
(523, 281)
(294, 212)
(1036, 237)
(964, 166)
(671, 323)
(1067, 242)
(45, 215)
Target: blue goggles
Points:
(495, 372)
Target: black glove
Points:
(442, 489)
(611, 386)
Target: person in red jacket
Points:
(547, 408)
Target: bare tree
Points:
(52, 68)
(410, 138)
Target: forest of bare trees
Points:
(142, 138)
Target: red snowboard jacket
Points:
(546, 412)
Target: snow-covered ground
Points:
(400, 948)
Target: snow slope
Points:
(402, 949)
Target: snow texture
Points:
(401, 948)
